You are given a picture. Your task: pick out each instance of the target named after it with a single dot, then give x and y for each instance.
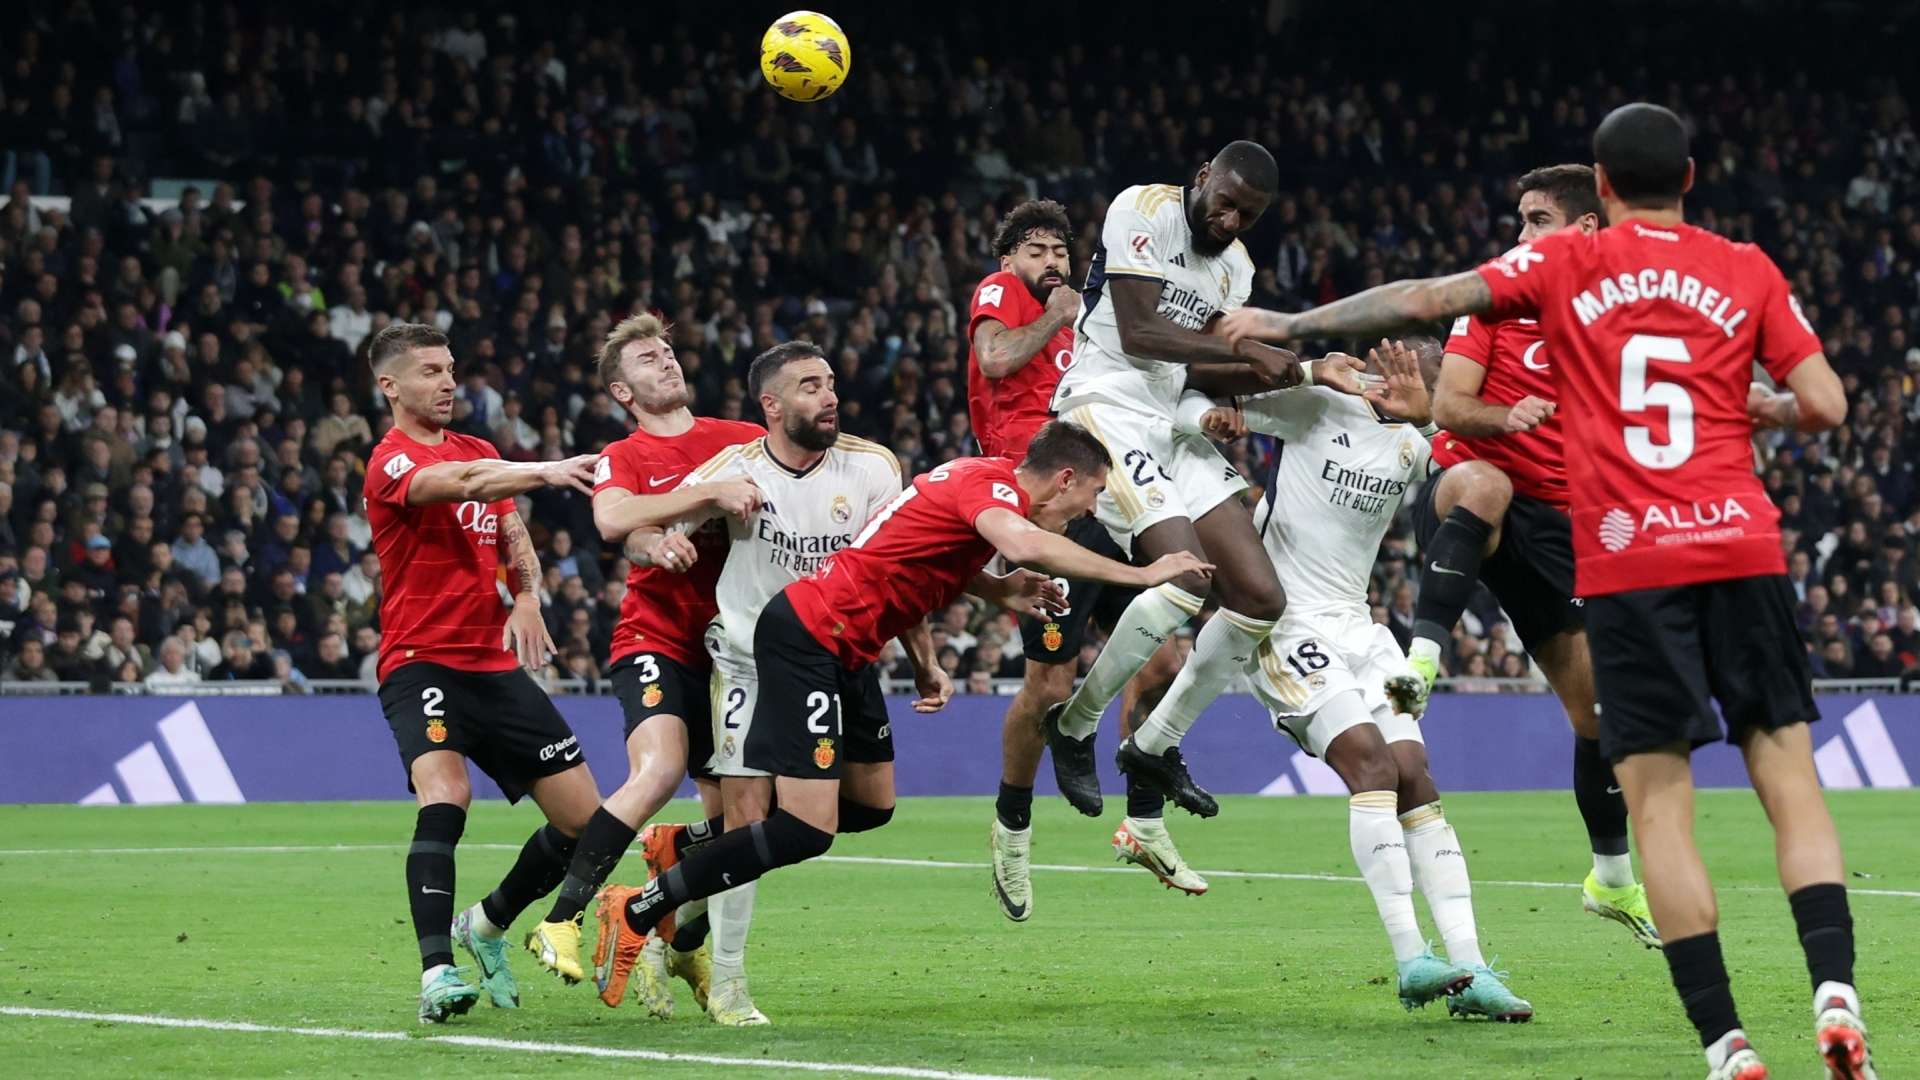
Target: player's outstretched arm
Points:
(525, 634)
(617, 512)
(651, 545)
(929, 678)
(491, 479)
(1382, 309)
(1023, 542)
(1003, 350)
(1815, 401)
(1022, 592)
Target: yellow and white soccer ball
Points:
(805, 56)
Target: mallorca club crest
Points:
(842, 510)
(823, 754)
(1051, 637)
(651, 695)
(436, 730)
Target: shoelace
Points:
(1015, 872)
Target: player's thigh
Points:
(414, 699)
(867, 729)
(1484, 490)
(1305, 682)
(1049, 683)
(1140, 492)
(656, 693)
(799, 728)
(1243, 571)
(869, 783)
(1650, 671)
(527, 739)
(814, 801)
(736, 699)
(1756, 664)
(1532, 573)
(1566, 660)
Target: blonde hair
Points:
(641, 327)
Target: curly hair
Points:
(1032, 216)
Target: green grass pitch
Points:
(877, 964)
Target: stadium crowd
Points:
(185, 412)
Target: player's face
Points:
(806, 407)
(653, 381)
(1073, 498)
(422, 384)
(1539, 215)
(1222, 207)
(1042, 262)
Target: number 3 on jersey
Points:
(1637, 394)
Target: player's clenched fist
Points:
(675, 553)
(1528, 413)
(735, 498)
(1063, 303)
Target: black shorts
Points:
(812, 715)
(1662, 657)
(499, 720)
(653, 684)
(1057, 640)
(1531, 573)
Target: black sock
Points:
(430, 880)
(736, 858)
(687, 937)
(1014, 806)
(1143, 801)
(697, 833)
(1700, 975)
(1597, 793)
(602, 843)
(1826, 932)
(1455, 550)
(859, 817)
(538, 871)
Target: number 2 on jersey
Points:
(1639, 395)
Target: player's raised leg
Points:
(1470, 501)
(1252, 600)
(1142, 838)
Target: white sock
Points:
(1440, 869)
(731, 914)
(1224, 648)
(1723, 1046)
(688, 912)
(433, 973)
(1827, 991)
(482, 925)
(1613, 871)
(1380, 850)
(1142, 629)
(1426, 647)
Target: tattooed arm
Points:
(1370, 314)
(525, 633)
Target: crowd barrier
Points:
(106, 750)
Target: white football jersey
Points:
(1146, 236)
(803, 518)
(1341, 475)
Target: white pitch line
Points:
(858, 860)
(481, 1042)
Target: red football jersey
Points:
(914, 557)
(1518, 365)
(1653, 333)
(439, 562)
(662, 612)
(1006, 413)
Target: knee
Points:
(1374, 773)
(1484, 491)
(791, 840)
(449, 791)
(1262, 598)
(859, 817)
(1193, 585)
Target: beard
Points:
(1041, 286)
(664, 401)
(811, 434)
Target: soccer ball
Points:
(805, 56)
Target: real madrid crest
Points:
(842, 510)
(1155, 499)
(1406, 453)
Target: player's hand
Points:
(525, 634)
(1342, 372)
(574, 472)
(1768, 408)
(934, 688)
(1224, 423)
(1029, 594)
(1528, 413)
(1256, 324)
(675, 553)
(1403, 393)
(1275, 366)
(1167, 567)
(735, 498)
(1063, 303)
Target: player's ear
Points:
(1687, 184)
(1200, 178)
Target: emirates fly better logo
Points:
(1616, 530)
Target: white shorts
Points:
(736, 690)
(1311, 658)
(1158, 473)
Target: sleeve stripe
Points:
(1140, 275)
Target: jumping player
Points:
(658, 668)
(818, 487)
(454, 661)
(1334, 491)
(917, 555)
(1021, 336)
(1654, 326)
(1502, 497)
